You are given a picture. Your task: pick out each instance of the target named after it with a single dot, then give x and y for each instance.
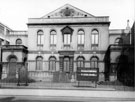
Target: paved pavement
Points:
(59, 99)
(68, 93)
(83, 86)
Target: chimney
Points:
(128, 27)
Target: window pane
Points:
(40, 32)
(51, 39)
(82, 39)
(38, 39)
(39, 63)
(42, 39)
(96, 39)
(95, 32)
(80, 62)
(18, 41)
(68, 38)
(93, 39)
(79, 40)
(55, 39)
(65, 39)
(52, 63)
(94, 62)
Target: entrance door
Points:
(12, 68)
(66, 64)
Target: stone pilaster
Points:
(61, 63)
(71, 64)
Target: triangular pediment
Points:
(67, 30)
(67, 11)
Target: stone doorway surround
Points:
(66, 54)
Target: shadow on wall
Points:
(125, 71)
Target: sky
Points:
(15, 13)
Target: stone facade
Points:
(63, 40)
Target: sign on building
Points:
(87, 74)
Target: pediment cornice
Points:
(67, 11)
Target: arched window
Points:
(94, 62)
(40, 38)
(80, 39)
(52, 63)
(80, 62)
(18, 41)
(39, 63)
(53, 39)
(95, 37)
(118, 41)
(66, 64)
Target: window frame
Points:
(94, 63)
(118, 41)
(18, 40)
(81, 39)
(53, 38)
(81, 63)
(39, 63)
(67, 36)
(95, 37)
(40, 37)
(53, 62)
(67, 39)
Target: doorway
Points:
(66, 64)
(12, 67)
